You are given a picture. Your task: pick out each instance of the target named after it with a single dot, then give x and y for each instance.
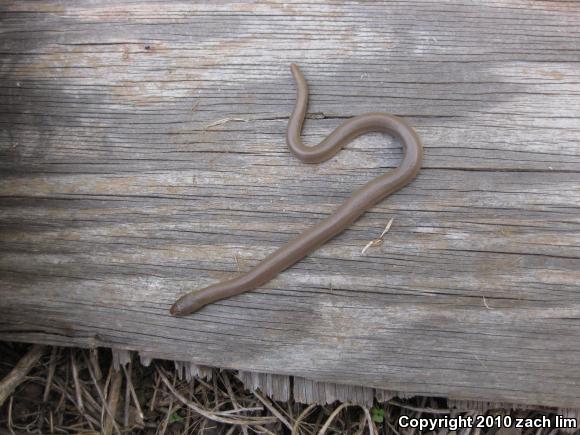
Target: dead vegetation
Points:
(65, 390)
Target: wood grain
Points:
(142, 156)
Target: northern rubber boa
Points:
(315, 236)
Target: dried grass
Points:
(63, 390)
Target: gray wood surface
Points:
(143, 156)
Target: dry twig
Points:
(214, 416)
(332, 417)
(379, 240)
(272, 409)
(75, 375)
(51, 370)
(302, 416)
(113, 401)
(18, 374)
(224, 121)
(103, 398)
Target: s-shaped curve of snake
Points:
(315, 236)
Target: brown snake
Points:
(315, 236)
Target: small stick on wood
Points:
(378, 241)
(225, 120)
(18, 374)
(485, 303)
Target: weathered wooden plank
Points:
(143, 156)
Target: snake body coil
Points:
(363, 199)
